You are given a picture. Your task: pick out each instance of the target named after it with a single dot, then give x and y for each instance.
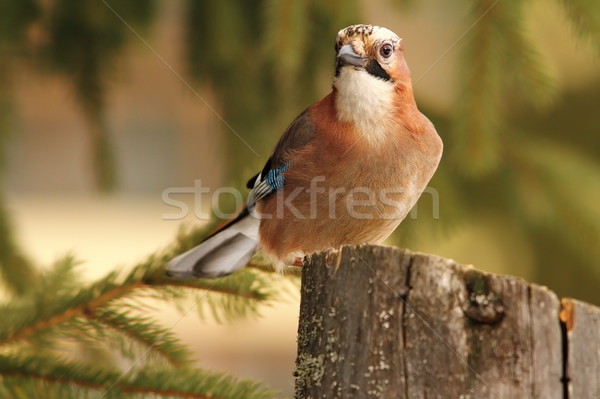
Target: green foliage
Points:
(499, 57)
(85, 38)
(514, 148)
(520, 151)
(43, 327)
(16, 271)
(558, 191)
(585, 16)
(38, 376)
(15, 18)
(142, 330)
(273, 43)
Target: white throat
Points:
(363, 100)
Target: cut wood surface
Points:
(381, 322)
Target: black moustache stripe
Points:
(338, 67)
(372, 67)
(376, 70)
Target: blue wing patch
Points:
(275, 178)
(265, 185)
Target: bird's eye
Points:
(386, 50)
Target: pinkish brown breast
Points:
(344, 189)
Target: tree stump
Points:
(380, 322)
(581, 329)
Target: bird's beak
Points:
(347, 56)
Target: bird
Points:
(347, 170)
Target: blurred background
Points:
(105, 104)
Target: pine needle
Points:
(31, 375)
(585, 17)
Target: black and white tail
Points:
(221, 254)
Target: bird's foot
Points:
(298, 262)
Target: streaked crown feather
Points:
(364, 38)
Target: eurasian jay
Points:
(346, 171)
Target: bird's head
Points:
(371, 78)
(370, 49)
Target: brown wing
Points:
(298, 134)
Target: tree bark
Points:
(581, 330)
(380, 322)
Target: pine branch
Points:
(15, 19)
(23, 372)
(84, 39)
(524, 59)
(82, 304)
(585, 17)
(103, 166)
(16, 271)
(240, 293)
(499, 57)
(558, 191)
(227, 307)
(480, 106)
(285, 39)
(77, 306)
(145, 331)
